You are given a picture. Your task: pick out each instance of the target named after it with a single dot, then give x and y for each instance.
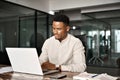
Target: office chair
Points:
(83, 38)
(37, 43)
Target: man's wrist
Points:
(58, 67)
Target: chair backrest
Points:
(37, 43)
(118, 62)
(83, 38)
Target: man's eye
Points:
(53, 28)
(59, 29)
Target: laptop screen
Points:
(24, 60)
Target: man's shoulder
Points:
(50, 38)
(73, 38)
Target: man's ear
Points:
(68, 28)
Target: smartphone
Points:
(58, 76)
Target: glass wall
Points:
(26, 30)
(33, 30)
(102, 30)
(21, 27)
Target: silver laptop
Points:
(26, 60)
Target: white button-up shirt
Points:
(69, 53)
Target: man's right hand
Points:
(48, 65)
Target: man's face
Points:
(60, 30)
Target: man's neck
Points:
(63, 38)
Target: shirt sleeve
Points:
(44, 55)
(78, 62)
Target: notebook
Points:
(25, 60)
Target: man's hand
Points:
(48, 65)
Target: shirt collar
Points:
(64, 40)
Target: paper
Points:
(105, 77)
(85, 76)
(91, 76)
(5, 69)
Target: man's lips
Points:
(56, 35)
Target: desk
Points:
(22, 76)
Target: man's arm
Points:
(44, 55)
(78, 63)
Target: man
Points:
(63, 51)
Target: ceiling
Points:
(9, 10)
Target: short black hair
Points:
(62, 18)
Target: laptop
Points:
(25, 60)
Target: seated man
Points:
(63, 51)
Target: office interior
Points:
(22, 26)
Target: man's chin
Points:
(57, 38)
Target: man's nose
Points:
(55, 31)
